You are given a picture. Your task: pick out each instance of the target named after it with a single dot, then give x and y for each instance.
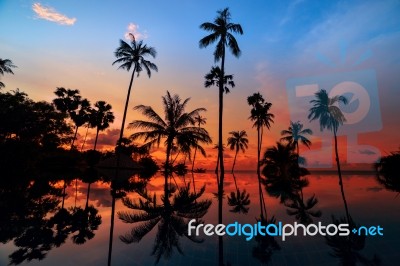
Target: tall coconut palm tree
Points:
(238, 141)
(221, 32)
(177, 128)
(133, 56)
(261, 117)
(6, 66)
(296, 133)
(330, 117)
(199, 121)
(100, 118)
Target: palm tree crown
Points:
(100, 118)
(326, 110)
(222, 30)
(178, 127)
(295, 133)
(213, 79)
(6, 66)
(133, 55)
(260, 112)
(238, 140)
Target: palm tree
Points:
(327, 111)
(178, 127)
(6, 66)
(71, 103)
(80, 117)
(262, 118)
(237, 141)
(295, 133)
(133, 56)
(221, 32)
(101, 118)
(199, 120)
(216, 147)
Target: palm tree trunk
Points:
(97, 136)
(258, 172)
(340, 177)
(110, 242)
(217, 167)
(87, 197)
(121, 134)
(234, 179)
(116, 172)
(194, 158)
(221, 157)
(84, 140)
(65, 186)
(234, 160)
(73, 140)
(167, 167)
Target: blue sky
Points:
(281, 41)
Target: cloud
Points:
(50, 14)
(134, 30)
(367, 152)
(289, 12)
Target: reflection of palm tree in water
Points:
(172, 217)
(303, 210)
(347, 248)
(239, 200)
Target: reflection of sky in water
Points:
(368, 204)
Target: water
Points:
(369, 204)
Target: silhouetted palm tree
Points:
(71, 103)
(327, 111)
(101, 118)
(6, 66)
(199, 121)
(172, 218)
(388, 171)
(262, 118)
(178, 127)
(221, 32)
(237, 141)
(296, 133)
(133, 56)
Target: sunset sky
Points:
(285, 44)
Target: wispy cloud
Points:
(50, 14)
(289, 12)
(134, 30)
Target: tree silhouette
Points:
(221, 32)
(6, 66)
(199, 121)
(261, 117)
(237, 141)
(100, 118)
(134, 56)
(330, 116)
(177, 128)
(296, 133)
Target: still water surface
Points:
(369, 204)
